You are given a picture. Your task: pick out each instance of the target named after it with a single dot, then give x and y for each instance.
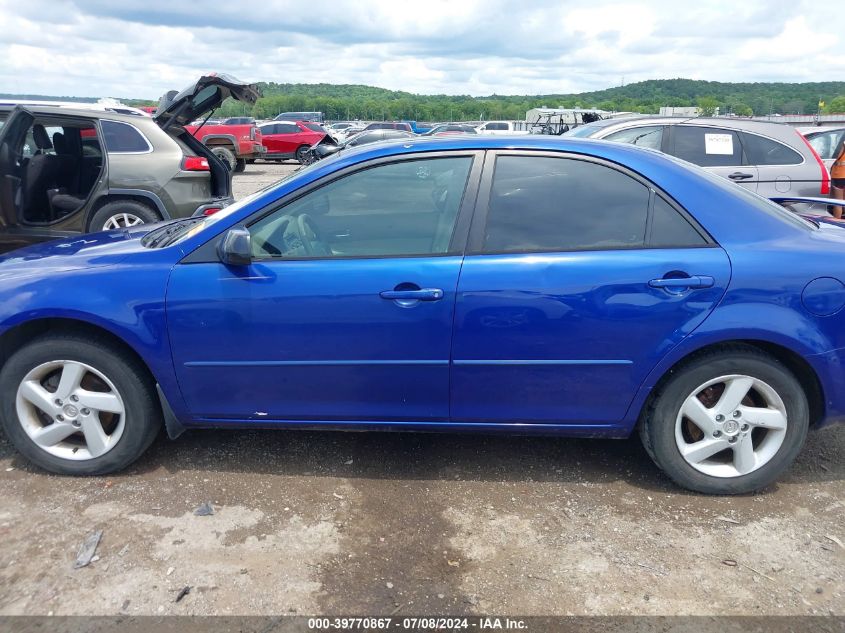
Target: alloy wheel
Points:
(70, 410)
(730, 426)
(122, 221)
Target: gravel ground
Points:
(417, 524)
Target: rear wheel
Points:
(74, 406)
(226, 155)
(240, 165)
(728, 422)
(300, 155)
(122, 214)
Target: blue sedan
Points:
(519, 285)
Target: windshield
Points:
(583, 131)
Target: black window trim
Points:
(207, 252)
(475, 243)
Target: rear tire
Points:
(226, 155)
(740, 449)
(240, 165)
(122, 214)
(79, 371)
(300, 154)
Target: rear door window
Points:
(764, 151)
(545, 204)
(707, 146)
(287, 128)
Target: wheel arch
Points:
(147, 198)
(792, 360)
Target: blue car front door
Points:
(581, 279)
(344, 314)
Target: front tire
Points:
(728, 422)
(74, 406)
(122, 214)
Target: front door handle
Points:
(679, 283)
(740, 175)
(422, 294)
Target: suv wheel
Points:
(122, 214)
(729, 422)
(75, 406)
(226, 155)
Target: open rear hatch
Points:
(201, 97)
(178, 109)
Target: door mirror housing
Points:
(235, 249)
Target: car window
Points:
(268, 129)
(367, 137)
(123, 138)
(646, 136)
(315, 127)
(707, 146)
(404, 208)
(670, 228)
(496, 126)
(763, 151)
(825, 143)
(559, 204)
(287, 128)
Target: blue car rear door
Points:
(579, 277)
(345, 312)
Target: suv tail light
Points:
(195, 163)
(825, 190)
(211, 211)
(252, 133)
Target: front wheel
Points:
(74, 406)
(729, 422)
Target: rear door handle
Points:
(740, 175)
(423, 294)
(676, 283)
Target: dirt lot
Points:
(417, 524)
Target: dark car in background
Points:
(328, 146)
(65, 171)
(389, 125)
(300, 116)
(450, 129)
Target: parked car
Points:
(289, 139)
(236, 144)
(769, 158)
(389, 125)
(64, 171)
(825, 141)
(400, 286)
(450, 129)
(239, 120)
(300, 116)
(498, 128)
(328, 146)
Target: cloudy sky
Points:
(130, 48)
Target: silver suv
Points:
(66, 170)
(771, 159)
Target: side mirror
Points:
(235, 249)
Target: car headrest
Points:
(39, 135)
(59, 143)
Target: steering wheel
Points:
(309, 234)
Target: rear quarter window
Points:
(123, 138)
(764, 151)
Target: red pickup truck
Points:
(235, 145)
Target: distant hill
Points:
(341, 101)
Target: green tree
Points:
(835, 105)
(741, 109)
(708, 105)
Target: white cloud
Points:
(141, 49)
